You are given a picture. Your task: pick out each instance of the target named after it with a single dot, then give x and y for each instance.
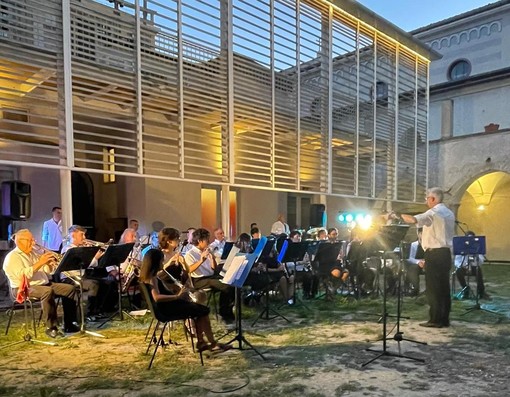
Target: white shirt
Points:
(204, 270)
(52, 234)
(438, 227)
(412, 253)
(279, 227)
(217, 247)
(17, 264)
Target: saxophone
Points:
(133, 267)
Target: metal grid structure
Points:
(277, 94)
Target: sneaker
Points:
(52, 332)
(290, 301)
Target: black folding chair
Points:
(159, 318)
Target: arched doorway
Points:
(483, 209)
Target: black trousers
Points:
(227, 294)
(476, 271)
(438, 263)
(47, 294)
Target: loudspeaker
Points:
(16, 202)
(317, 215)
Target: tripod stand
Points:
(116, 254)
(239, 266)
(398, 337)
(239, 337)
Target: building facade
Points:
(218, 112)
(469, 126)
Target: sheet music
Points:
(235, 270)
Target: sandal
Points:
(220, 347)
(203, 346)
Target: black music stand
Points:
(238, 269)
(226, 250)
(114, 256)
(266, 247)
(325, 258)
(475, 246)
(78, 258)
(387, 237)
(295, 252)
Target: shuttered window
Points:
(277, 94)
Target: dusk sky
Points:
(412, 14)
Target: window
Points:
(109, 165)
(381, 93)
(459, 70)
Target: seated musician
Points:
(415, 265)
(255, 233)
(188, 244)
(176, 302)
(23, 262)
(129, 236)
(218, 244)
(203, 269)
(470, 265)
(362, 276)
(309, 277)
(267, 272)
(101, 291)
(338, 270)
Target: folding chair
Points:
(159, 318)
(21, 306)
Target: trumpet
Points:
(53, 264)
(92, 243)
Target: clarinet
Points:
(191, 295)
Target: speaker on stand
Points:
(16, 205)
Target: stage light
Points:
(355, 218)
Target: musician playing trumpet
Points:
(101, 292)
(23, 262)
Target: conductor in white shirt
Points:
(438, 224)
(52, 231)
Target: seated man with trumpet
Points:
(99, 290)
(23, 261)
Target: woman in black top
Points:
(177, 303)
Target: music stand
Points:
(389, 235)
(114, 256)
(226, 250)
(474, 246)
(325, 258)
(266, 247)
(295, 252)
(238, 269)
(78, 258)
